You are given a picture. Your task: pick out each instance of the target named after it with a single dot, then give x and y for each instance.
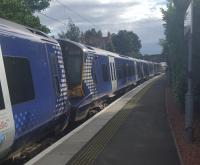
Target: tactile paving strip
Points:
(89, 153)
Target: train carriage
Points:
(91, 76)
(94, 75)
(33, 89)
(40, 77)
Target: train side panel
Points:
(30, 78)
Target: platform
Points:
(133, 130)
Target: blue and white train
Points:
(35, 74)
(33, 88)
(94, 75)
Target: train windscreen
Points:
(73, 69)
(72, 56)
(2, 105)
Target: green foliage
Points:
(109, 44)
(93, 38)
(127, 43)
(36, 5)
(154, 57)
(196, 50)
(72, 33)
(16, 11)
(175, 46)
(110, 47)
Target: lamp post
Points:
(189, 95)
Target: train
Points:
(45, 83)
(95, 75)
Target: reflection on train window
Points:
(19, 79)
(105, 72)
(2, 104)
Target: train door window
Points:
(129, 71)
(133, 69)
(105, 72)
(19, 79)
(139, 70)
(114, 72)
(54, 70)
(111, 71)
(124, 70)
(2, 104)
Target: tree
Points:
(93, 38)
(174, 46)
(36, 5)
(109, 44)
(127, 43)
(17, 11)
(72, 33)
(109, 47)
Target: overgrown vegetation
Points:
(175, 47)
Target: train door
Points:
(113, 74)
(59, 80)
(7, 128)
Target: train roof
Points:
(90, 49)
(11, 28)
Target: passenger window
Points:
(119, 71)
(105, 72)
(124, 71)
(2, 104)
(19, 79)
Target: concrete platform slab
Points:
(63, 150)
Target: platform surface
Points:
(143, 138)
(132, 131)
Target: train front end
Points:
(7, 128)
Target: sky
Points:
(143, 17)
